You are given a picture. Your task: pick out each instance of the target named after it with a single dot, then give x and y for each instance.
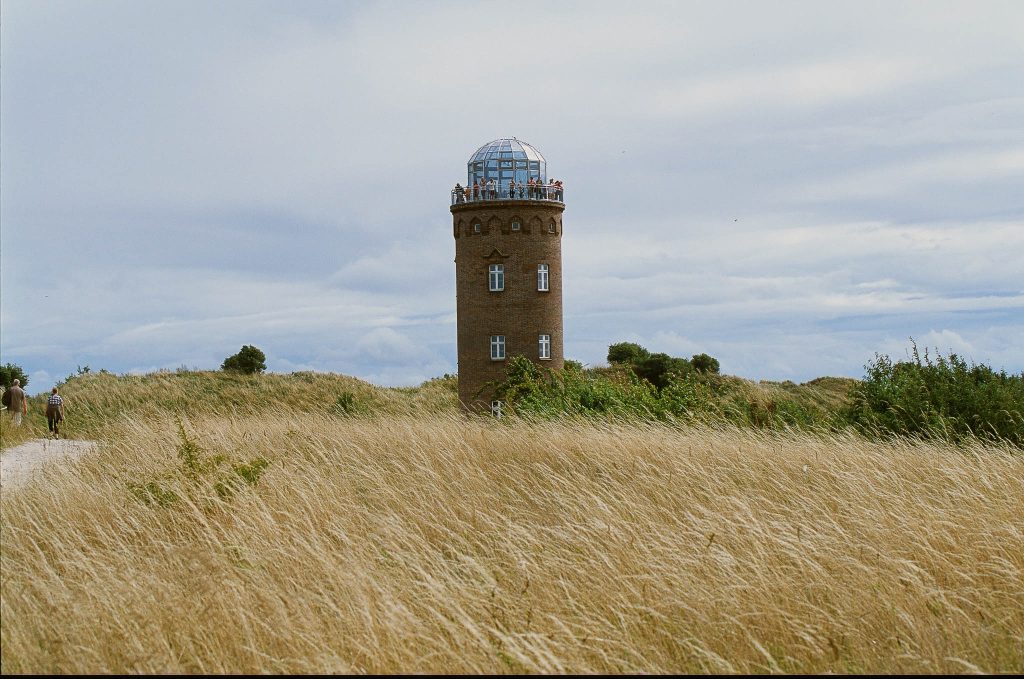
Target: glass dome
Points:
(505, 159)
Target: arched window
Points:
(542, 278)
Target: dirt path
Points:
(18, 464)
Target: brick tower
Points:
(508, 267)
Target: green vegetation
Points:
(10, 372)
(703, 363)
(202, 476)
(677, 392)
(248, 361)
(657, 368)
(942, 398)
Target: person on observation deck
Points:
(530, 186)
(457, 192)
(511, 188)
(476, 189)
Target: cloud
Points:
(938, 171)
(788, 187)
(793, 86)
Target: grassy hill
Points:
(95, 401)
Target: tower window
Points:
(476, 228)
(542, 277)
(551, 227)
(496, 277)
(497, 347)
(515, 226)
(544, 347)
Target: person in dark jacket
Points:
(54, 412)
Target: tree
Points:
(248, 361)
(703, 363)
(11, 372)
(627, 352)
(657, 367)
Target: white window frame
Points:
(543, 278)
(496, 277)
(476, 228)
(497, 347)
(544, 347)
(551, 227)
(515, 226)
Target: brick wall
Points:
(520, 312)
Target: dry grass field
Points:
(304, 542)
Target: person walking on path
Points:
(18, 403)
(54, 412)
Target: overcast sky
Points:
(790, 187)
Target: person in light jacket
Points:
(19, 404)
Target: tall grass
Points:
(443, 544)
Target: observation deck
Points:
(548, 193)
(507, 169)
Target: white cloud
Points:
(940, 171)
(794, 86)
(788, 187)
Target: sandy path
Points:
(18, 464)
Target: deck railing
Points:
(554, 193)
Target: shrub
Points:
(626, 352)
(942, 397)
(248, 361)
(575, 366)
(656, 368)
(703, 363)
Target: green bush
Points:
(944, 397)
(626, 352)
(248, 361)
(703, 363)
(682, 394)
(657, 368)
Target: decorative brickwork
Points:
(520, 312)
